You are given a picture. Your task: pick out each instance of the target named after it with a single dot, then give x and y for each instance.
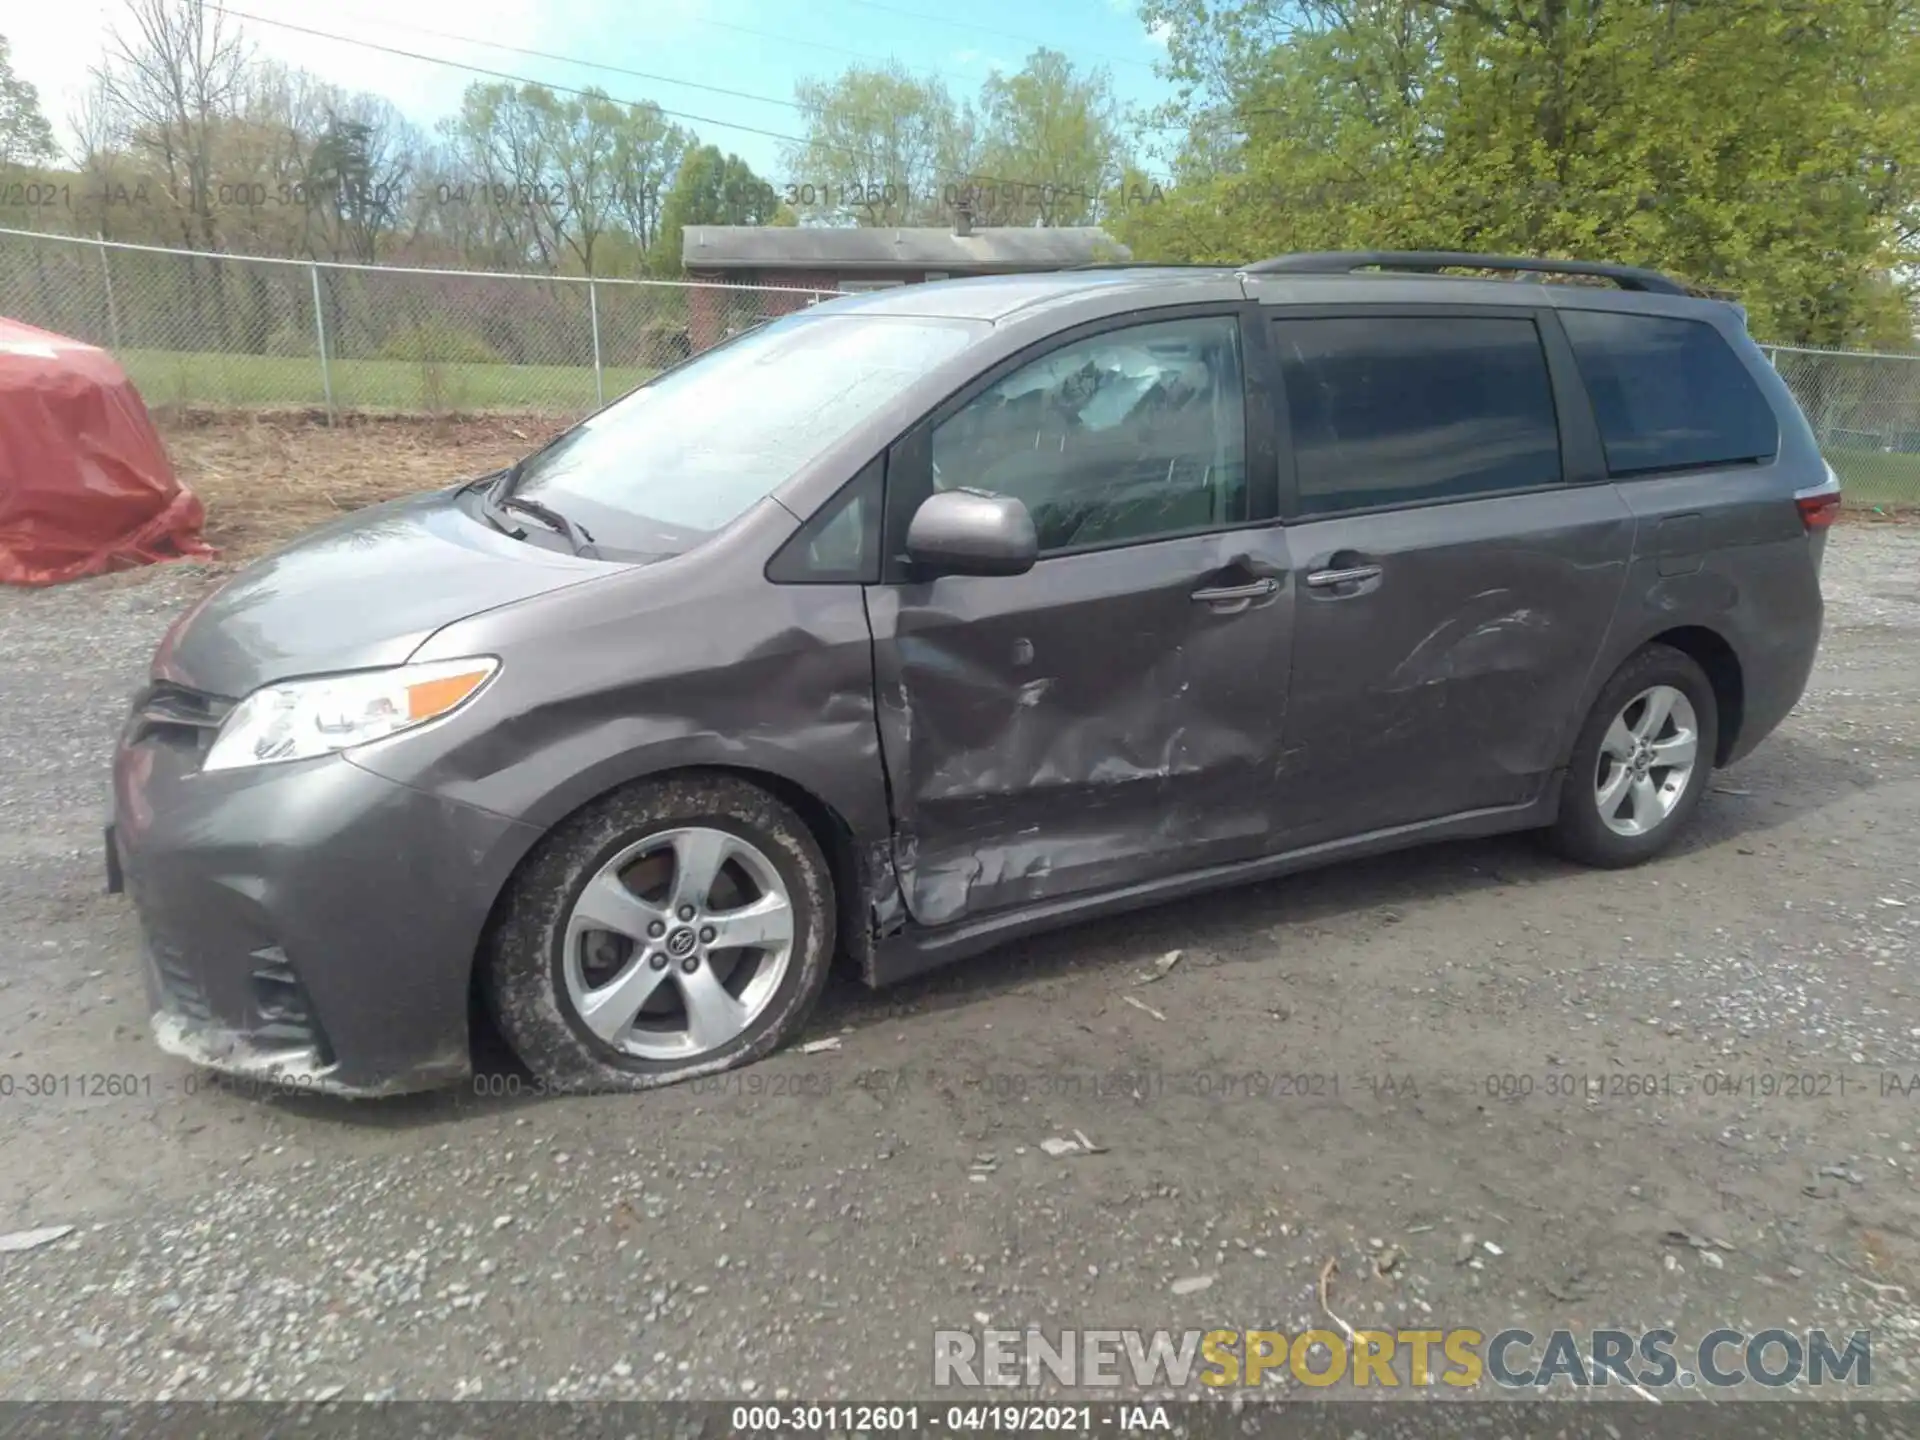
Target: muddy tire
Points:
(672, 928)
(1640, 762)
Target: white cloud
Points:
(1159, 33)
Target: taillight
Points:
(1820, 507)
(1819, 511)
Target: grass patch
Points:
(190, 378)
(1875, 477)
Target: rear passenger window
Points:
(1669, 394)
(1393, 409)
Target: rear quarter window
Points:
(1669, 394)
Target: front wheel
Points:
(1640, 762)
(673, 928)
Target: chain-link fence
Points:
(1865, 409)
(225, 331)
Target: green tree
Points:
(502, 157)
(1050, 141)
(1043, 145)
(648, 153)
(25, 137)
(712, 189)
(1765, 148)
(562, 177)
(359, 171)
(880, 144)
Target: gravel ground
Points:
(1462, 1020)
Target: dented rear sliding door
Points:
(1458, 552)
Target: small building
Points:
(807, 262)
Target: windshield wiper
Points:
(574, 534)
(510, 477)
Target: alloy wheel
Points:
(1646, 762)
(678, 944)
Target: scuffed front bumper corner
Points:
(309, 927)
(246, 1063)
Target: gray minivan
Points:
(935, 615)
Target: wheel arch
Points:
(859, 872)
(1711, 651)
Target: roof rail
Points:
(1150, 265)
(1343, 262)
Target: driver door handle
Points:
(1219, 594)
(1353, 573)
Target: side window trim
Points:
(1575, 458)
(1269, 426)
(1583, 460)
(910, 458)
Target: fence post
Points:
(593, 315)
(106, 274)
(320, 333)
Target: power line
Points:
(613, 69)
(493, 74)
(575, 60)
(588, 94)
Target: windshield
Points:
(682, 456)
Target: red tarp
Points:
(85, 484)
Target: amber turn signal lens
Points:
(435, 697)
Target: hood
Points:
(360, 592)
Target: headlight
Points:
(303, 718)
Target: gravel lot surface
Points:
(1447, 1039)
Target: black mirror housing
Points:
(972, 532)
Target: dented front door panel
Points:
(1446, 674)
(1106, 718)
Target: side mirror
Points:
(971, 532)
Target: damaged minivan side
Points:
(944, 613)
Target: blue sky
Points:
(755, 48)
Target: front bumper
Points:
(309, 926)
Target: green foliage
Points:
(26, 139)
(711, 189)
(1766, 147)
(1054, 129)
(879, 143)
(885, 147)
(561, 177)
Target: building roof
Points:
(736, 247)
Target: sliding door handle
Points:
(1221, 593)
(1321, 579)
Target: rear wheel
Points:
(1640, 762)
(671, 929)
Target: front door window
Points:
(1125, 436)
